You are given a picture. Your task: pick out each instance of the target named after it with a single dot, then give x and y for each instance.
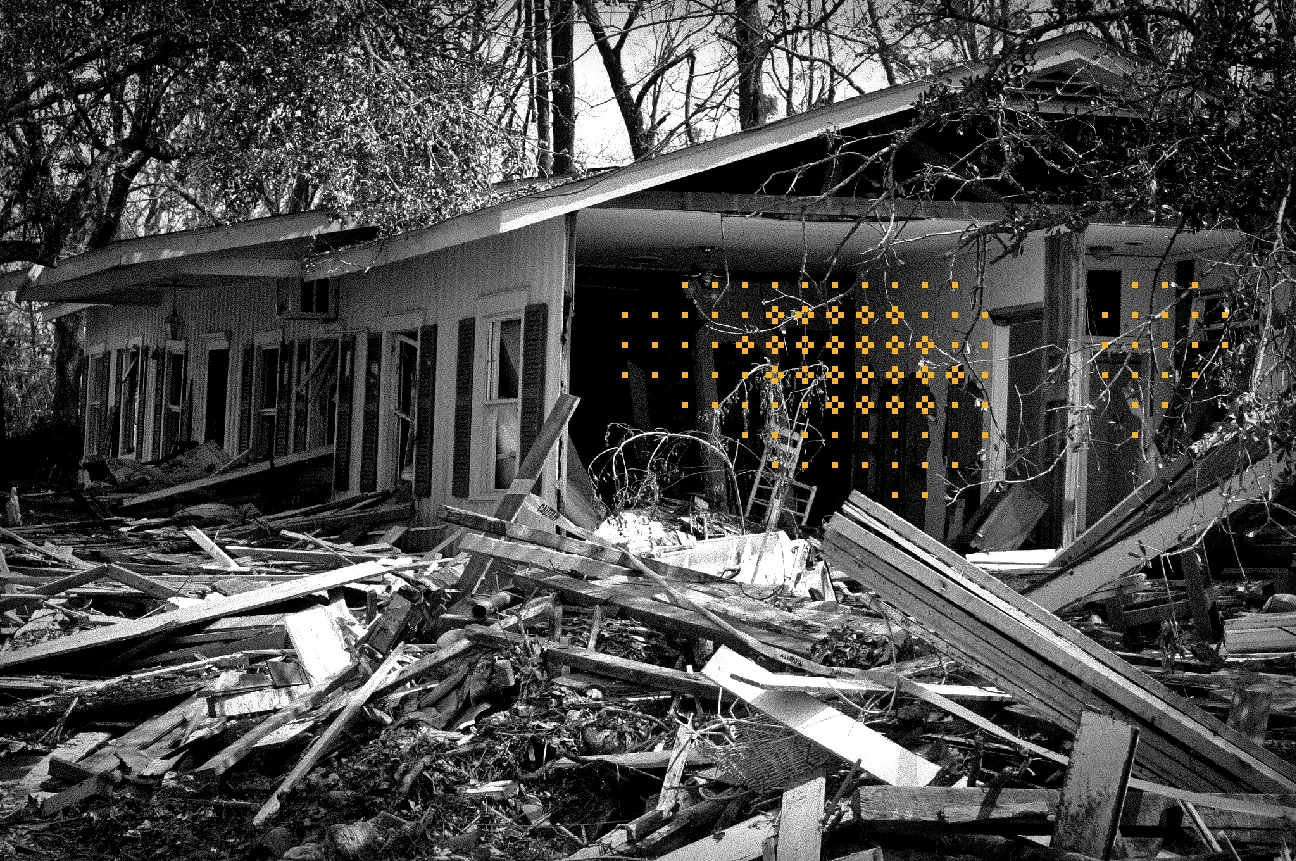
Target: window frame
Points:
(493, 310)
(130, 428)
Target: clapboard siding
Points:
(438, 289)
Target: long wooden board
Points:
(1172, 529)
(1040, 659)
(824, 725)
(234, 475)
(134, 629)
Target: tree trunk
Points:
(540, 48)
(563, 26)
(750, 56)
(639, 144)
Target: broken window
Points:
(1103, 288)
(502, 401)
(267, 398)
(406, 346)
(217, 395)
(129, 402)
(96, 404)
(173, 400)
(323, 394)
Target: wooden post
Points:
(1094, 790)
(1197, 582)
(800, 835)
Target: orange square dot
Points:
(805, 464)
(684, 344)
(953, 345)
(985, 434)
(953, 434)
(715, 375)
(715, 315)
(654, 375)
(1165, 405)
(834, 434)
(834, 463)
(895, 434)
(864, 464)
(953, 315)
(924, 496)
(1223, 345)
(625, 345)
(1165, 375)
(1133, 315)
(985, 315)
(654, 345)
(625, 315)
(744, 434)
(1104, 315)
(1134, 375)
(924, 464)
(863, 434)
(683, 315)
(925, 435)
(1133, 434)
(895, 494)
(924, 313)
(684, 404)
(895, 464)
(625, 375)
(683, 375)
(654, 315)
(954, 464)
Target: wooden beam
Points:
(1094, 790)
(741, 842)
(1166, 532)
(214, 481)
(1197, 582)
(824, 725)
(527, 481)
(844, 209)
(134, 629)
(563, 544)
(1040, 659)
(800, 829)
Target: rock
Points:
(279, 840)
(356, 839)
(1281, 602)
(305, 852)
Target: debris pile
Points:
(302, 687)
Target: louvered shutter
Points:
(535, 352)
(284, 399)
(245, 398)
(372, 395)
(346, 391)
(462, 480)
(425, 411)
(114, 428)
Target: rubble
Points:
(298, 686)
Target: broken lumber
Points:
(826, 726)
(1260, 632)
(1044, 662)
(356, 701)
(134, 629)
(528, 476)
(1093, 793)
(1141, 538)
(800, 834)
(211, 482)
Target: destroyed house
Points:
(652, 291)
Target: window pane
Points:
(269, 379)
(506, 446)
(1104, 290)
(509, 359)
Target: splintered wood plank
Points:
(741, 842)
(826, 726)
(134, 629)
(316, 634)
(800, 836)
(1093, 793)
(671, 791)
(211, 548)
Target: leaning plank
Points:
(541, 557)
(1094, 790)
(386, 670)
(211, 482)
(211, 548)
(800, 835)
(528, 476)
(1037, 657)
(815, 684)
(563, 544)
(1260, 632)
(741, 842)
(134, 629)
(1172, 529)
(822, 724)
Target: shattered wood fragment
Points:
(826, 726)
(317, 636)
(210, 482)
(1260, 632)
(357, 700)
(133, 629)
(1094, 791)
(800, 834)
(741, 842)
(671, 792)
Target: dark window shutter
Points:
(101, 422)
(245, 398)
(114, 429)
(159, 399)
(372, 394)
(284, 398)
(462, 480)
(535, 351)
(425, 411)
(83, 371)
(300, 397)
(346, 391)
